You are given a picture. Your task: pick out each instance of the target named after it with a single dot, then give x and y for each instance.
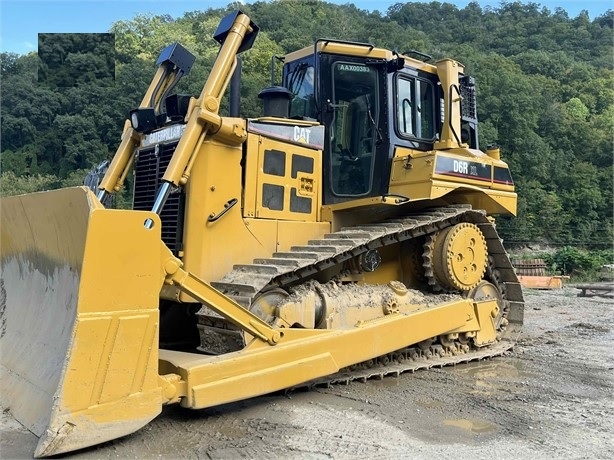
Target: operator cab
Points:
(347, 94)
(370, 101)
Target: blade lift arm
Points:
(236, 33)
(166, 77)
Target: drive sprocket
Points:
(459, 257)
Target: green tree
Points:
(545, 84)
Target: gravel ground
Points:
(551, 397)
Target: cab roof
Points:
(356, 49)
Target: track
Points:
(301, 263)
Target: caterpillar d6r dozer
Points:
(345, 234)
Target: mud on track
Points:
(552, 396)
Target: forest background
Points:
(545, 84)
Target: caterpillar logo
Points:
(301, 135)
(310, 136)
(353, 68)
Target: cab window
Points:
(300, 83)
(415, 108)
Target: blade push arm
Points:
(220, 303)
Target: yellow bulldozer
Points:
(346, 233)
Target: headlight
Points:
(143, 120)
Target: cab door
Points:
(354, 111)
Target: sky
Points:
(22, 20)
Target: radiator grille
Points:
(150, 166)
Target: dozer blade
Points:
(78, 318)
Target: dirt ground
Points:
(552, 397)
